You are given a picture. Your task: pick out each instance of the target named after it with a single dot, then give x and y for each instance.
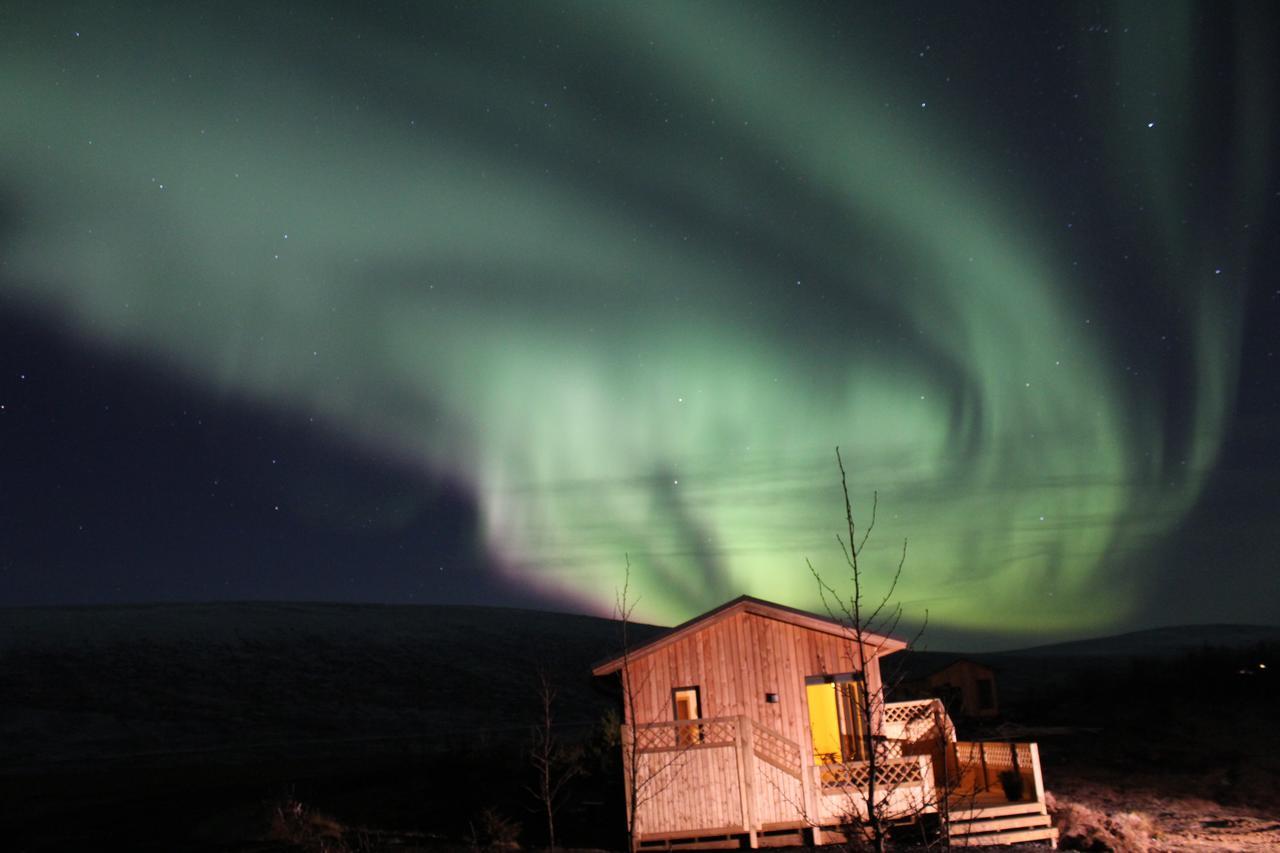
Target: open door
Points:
(835, 718)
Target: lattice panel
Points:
(909, 712)
(918, 721)
(996, 756)
(718, 732)
(655, 738)
(889, 774)
(776, 749)
(683, 734)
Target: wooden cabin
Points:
(744, 727)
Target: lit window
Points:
(687, 706)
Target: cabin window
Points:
(986, 695)
(687, 705)
(836, 718)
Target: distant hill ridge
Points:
(1169, 641)
(91, 682)
(236, 621)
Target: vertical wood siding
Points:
(734, 662)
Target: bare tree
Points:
(554, 762)
(623, 607)
(647, 772)
(868, 623)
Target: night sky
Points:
(399, 302)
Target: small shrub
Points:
(295, 824)
(493, 831)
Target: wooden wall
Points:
(690, 791)
(735, 661)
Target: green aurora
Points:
(632, 271)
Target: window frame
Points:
(852, 739)
(687, 735)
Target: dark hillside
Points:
(121, 705)
(1169, 641)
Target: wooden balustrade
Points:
(978, 765)
(732, 775)
(919, 721)
(676, 735)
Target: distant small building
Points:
(966, 687)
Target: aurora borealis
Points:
(627, 273)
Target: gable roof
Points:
(883, 643)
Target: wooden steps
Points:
(1014, 823)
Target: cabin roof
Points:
(883, 643)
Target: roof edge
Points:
(758, 607)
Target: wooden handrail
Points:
(700, 721)
(774, 749)
(775, 735)
(908, 702)
(988, 758)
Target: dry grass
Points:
(295, 824)
(1096, 816)
(1083, 828)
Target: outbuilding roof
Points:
(882, 643)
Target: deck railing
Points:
(977, 767)
(683, 734)
(923, 720)
(722, 773)
(732, 775)
(783, 753)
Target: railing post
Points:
(1035, 768)
(746, 777)
(809, 806)
(982, 757)
(928, 790)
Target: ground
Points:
(1140, 818)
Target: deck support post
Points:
(1037, 775)
(809, 806)
(746, 776)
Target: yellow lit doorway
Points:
(835, 718)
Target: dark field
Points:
(186, 727)
(144, 725)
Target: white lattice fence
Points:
(903, 788)
(683, 734)
(979, 764)
(777, 750)
(890, 773)
(917, 722)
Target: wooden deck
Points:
(731, 782)
(979, 809)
